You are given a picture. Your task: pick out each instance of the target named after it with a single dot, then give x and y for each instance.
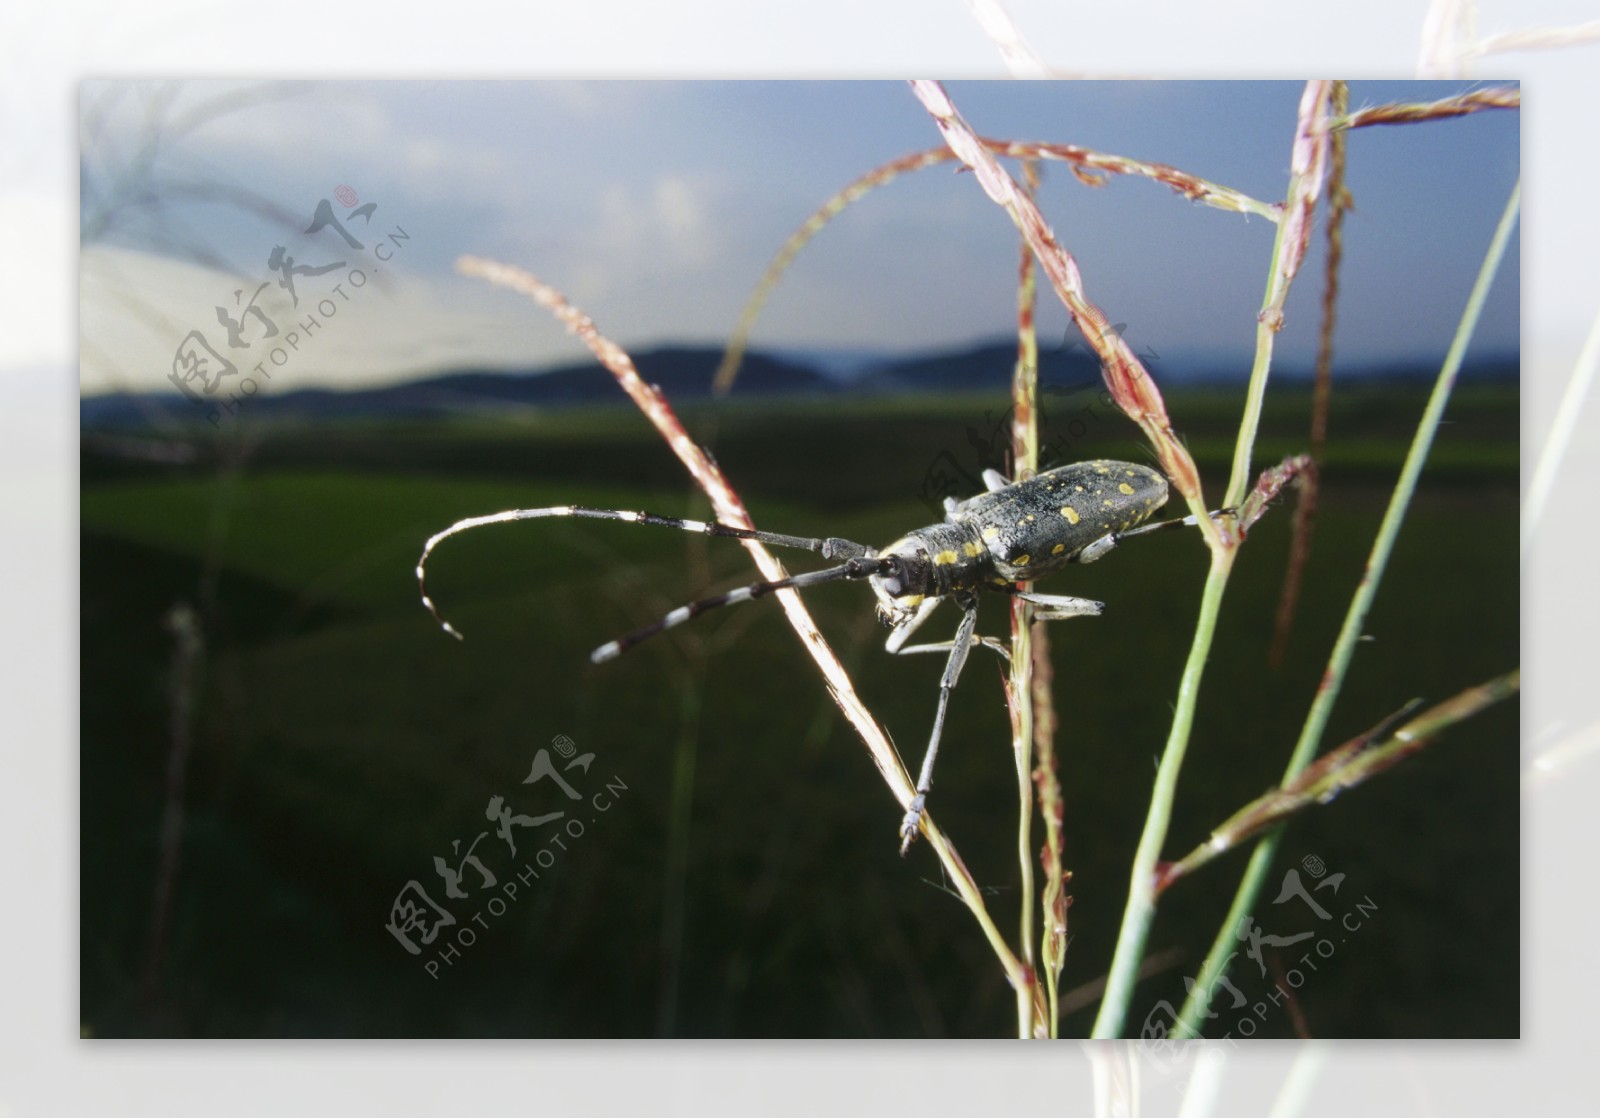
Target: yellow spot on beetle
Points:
(991, 533)
(945, 557)
(1125, 488)
(971, 549)
(1070, 513)
(1058, 549)
(1022, 561)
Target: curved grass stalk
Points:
(1140, 909)
(1135, 393)
(1308, 168)
(730, 510)
(1341, 768)
(1198, 1002)
(1309, 163)
(1089, 166)
(1128, 381)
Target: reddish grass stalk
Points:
(1130, 384)
(730, 510)
(1500, 97)
(1339, 201)
(1020, 694)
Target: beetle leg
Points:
(994, 643)
(1097, 548)
(902, 632)
(959, 649)
(1100, 547)
(994, 481)
(1054, 607)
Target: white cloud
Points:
(683, 218)
(668, 226)
(424, 154)
(138, 307)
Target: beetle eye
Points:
(894, 577)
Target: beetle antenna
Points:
(832, 547)
(857, 567)
(1177, 522)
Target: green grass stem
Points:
(1199, 1000)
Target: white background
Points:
(45, 1069)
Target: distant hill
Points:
(983, 367)
(685, 373)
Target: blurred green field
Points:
(746, 882)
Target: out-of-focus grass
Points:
(343, 741)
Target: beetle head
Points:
(906, 581)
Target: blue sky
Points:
(656, 206)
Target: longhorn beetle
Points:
(1013, 532)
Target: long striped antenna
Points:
(832, 547)
(857, 567)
